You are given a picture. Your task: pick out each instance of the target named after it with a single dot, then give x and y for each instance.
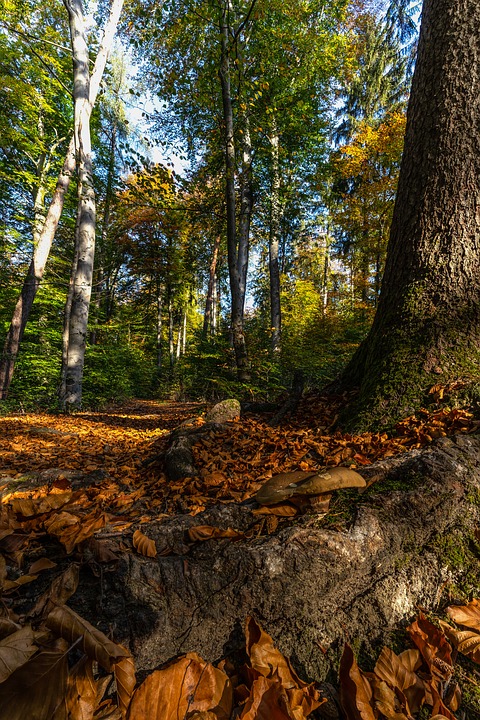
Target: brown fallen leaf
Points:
(61, 589)
(468, 615)
(282, 510)
(355, 690)
(37, 689)
(124, 672)
(144, 545)
(433, 646)
(40, 565)
(392, 670)
(27, 507)
(185, 685)
(10, 585)
(65, 623)
(268, 701)
(15, 650)
(200, 533)
(81, 695)
(387, 701)
(466, 641)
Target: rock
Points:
(224, 411)
(311, 587)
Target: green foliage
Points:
(116, 369)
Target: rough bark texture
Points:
(236, 249)
(309, 586)
(274, 242)
(427, 327)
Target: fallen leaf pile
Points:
(78, 484)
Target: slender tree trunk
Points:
(42, 248)
(86, 218)
(171, 346)
(238, 299)
(209, 302)
(184, 332)
(159, 328)
(67, 311)
(427, 326)
(215, 304)
(326, 270)
(274, 241)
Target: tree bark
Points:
(86, 217)
(43, 245)
(236, 256)
(274, 242)
(427, 327)
(210, 299)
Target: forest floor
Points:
(65, 478)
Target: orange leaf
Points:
(125, 679)
(144, 545)
(15, 650)
(186, 685)
(433, 646)
(468, 615)
(67, 624)
(200, 533)
(355, 690)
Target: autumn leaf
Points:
(200, 533)
(393, 671)
(15, 650)
(355, 690)
(468, 615)
(38, 688)
(124, 672)
(144, 545)
(186, 685)
(40, 565)
(65, 623)
(81, 695)
(433, 646)
(466, 641)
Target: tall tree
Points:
(52, 217)
(427, 327)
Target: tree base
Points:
(312, 587)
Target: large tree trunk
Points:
(427, 327)
(44, 241)
(86, 218)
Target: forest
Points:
(239, 364)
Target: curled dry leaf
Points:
(466, 641)
(40, 565)
(61, 589)
(15, 650)
(81, 695)
(144, 545)
(186, 685)
(37, 689)
(270, 663)
(200, 533)
(392, 670)
(7, 627)
(433, 646)
(285, 485)
(27, 507)
(282, 510)
(268, 701)
(355, 689)
(387, 701)
(75, 534)
(124, 671)
(468, 615)
(65, 623)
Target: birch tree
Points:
(46, 234)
